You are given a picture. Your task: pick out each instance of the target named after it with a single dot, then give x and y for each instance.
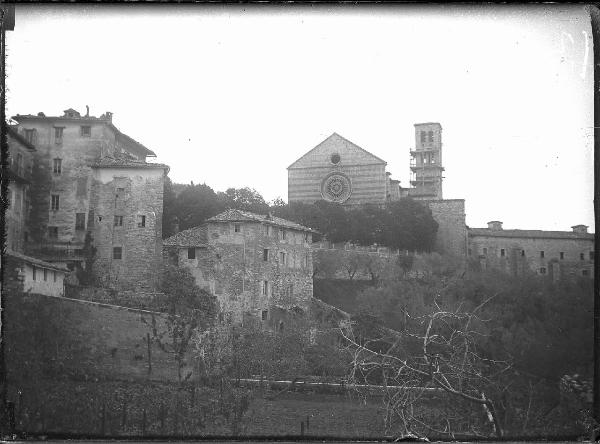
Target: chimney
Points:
(87, 111)
(109, 116)
(495, 225)
(41, 114)
(580, 229)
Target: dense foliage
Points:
(405, 224)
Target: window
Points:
(55, 204)
(335, 158)
(582, 256)
(80, 221)
(306, 237)
(591, 255)
(432, 157)
(264, 315)
(30, 135)
(237, 228)
(58, 135)
(485, 251)
(117, 252)
(502, 252)
(423, 137)
(45, 274)
(543, 270)
(54, 273)
(562, 255)
(86, 131)
(585, 272)
(542, 254)
(33, 272)
(265, 288)
(522, 253)
(19, 163)
(306, 260)
(282, 234)
(120, 190)
(141, 221)
(118, 221)
(282, 258)
(91, 219)
(53, 232)
(266, 254)
(267, 230)
(191, 253)
(57, 166)
(430, 136)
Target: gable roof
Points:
(192, 237)
(35, 261)
(333, 139)
(233, 215)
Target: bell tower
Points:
(426, 162)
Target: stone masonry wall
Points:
(130, 194)
(103, 341)
(233, 268)
(452, 231)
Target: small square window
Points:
(265, 254)
(117, 252)
(55, 203)
(543, 270)
(57, 166)
(591, 255)
(120, 190)
(264, 315)
(141, 221)
(582, 256)
(522, 253)
(485, 251)
(502, 252)
(191, 253)
(542, 254)
(118, 221)
(237, 228)
(53, 232)
(86, 131)
(562, 255)
(585, 272)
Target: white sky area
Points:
(232, 95)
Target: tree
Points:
(86, 275)
(246, 199)
(169, 216)
(189, 309)
(195, 204)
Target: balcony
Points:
(57, 251)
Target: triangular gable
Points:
(350, 153)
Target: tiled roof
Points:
(233, 215)
(192, 237)
(537, 234)
(36, 261)
(12, 130)
(122, 162)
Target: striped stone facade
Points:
(337, 170)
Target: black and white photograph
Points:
(298, 222)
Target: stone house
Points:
(556, 254)
(18, 174)
(27, 274)
(256, 265)
(92, 178)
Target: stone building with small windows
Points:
(557, 254)
(256, 265)
(19, 176)
(89, 177)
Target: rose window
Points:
(336, 188)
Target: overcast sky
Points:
(232, 95)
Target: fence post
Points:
(143, 422)
(11, 416)
(149, 353)
(124, 416)
(103, 420)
